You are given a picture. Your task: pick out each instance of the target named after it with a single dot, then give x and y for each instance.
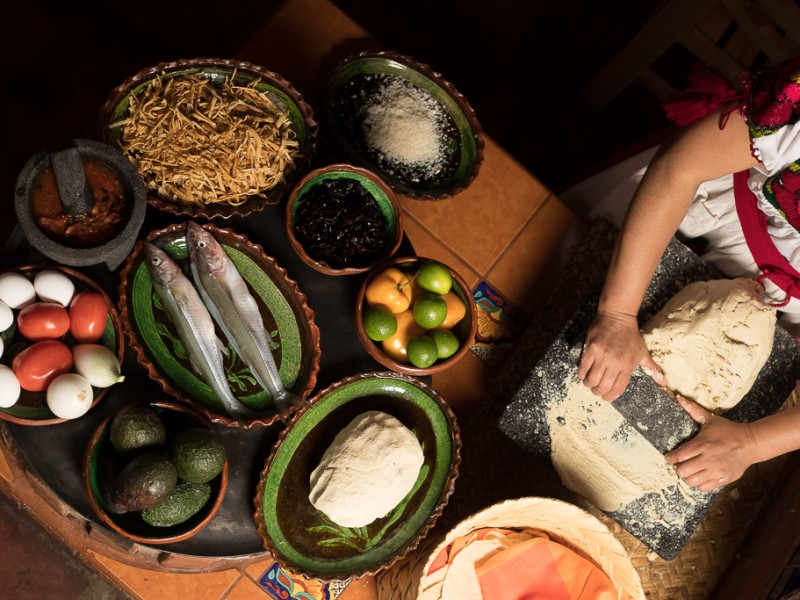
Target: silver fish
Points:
(235, 310)
(194, 325)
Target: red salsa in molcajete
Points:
(101, 224)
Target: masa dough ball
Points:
(712, 339)
(368, 469)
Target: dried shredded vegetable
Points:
(196, 143)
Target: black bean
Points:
(338, 222)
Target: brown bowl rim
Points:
(321, 266)
(153, 373)
(375, 352)
(458, 97)
(115, 321)
(108, 521)
(249, 207)
(433, 517)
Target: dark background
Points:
(521, 64)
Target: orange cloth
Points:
(534, 569)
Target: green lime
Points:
(421, 351)
(434, 277)
(446, 341)
(429, 310)
(379, 323)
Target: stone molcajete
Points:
(80, 203)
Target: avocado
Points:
(186, 501)
(135, 428)
(198, 454)
(145, 481)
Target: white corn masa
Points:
(711, 340)
(367, 470)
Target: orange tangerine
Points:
(390, 289)
(456, 309)
(396, 347)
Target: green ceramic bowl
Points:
(384, 197)
(286, 315)
(101, 464)
(280, 91)
(300, 537)
(371, 84)
(31, 408)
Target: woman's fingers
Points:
(699, 414)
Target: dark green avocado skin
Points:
(145, 481)
(198, 455)
(136, 429)
(185, 502)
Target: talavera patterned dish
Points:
(300, 537)
(286, 315)
(281, 92)
(396, 116)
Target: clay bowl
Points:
(31, 408)
(110, 175)
(302, 538)
(464, 329)
(367, 116)
(102, 463)
(344, 196)
(283, 308)
(282, 93)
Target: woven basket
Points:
(565, 523)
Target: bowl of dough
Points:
(355, 481)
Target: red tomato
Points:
(43, 321)
(88, 313)
(38, 364)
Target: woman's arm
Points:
(723, 450)
(697, 153)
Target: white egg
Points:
(53, 286)
(9, 387)
(69, 396)
(16, 290)
(6, 316)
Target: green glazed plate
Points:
(286, 316)
(355, 86)
(31, 408)
(302, 538)
(280, 91)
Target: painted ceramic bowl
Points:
(81, 230)
(302, 538)
(31, 407)
(283, 309)
(342, 220)
(397, 117)
(235, 178)
(102, 464)
(391, 352)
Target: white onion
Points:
(98, 364)
(6, 316)
(69, 396)
(9, 387)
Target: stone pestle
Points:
(74, 190)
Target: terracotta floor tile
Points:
(464, 385)
(537, 255)
(154, 585)
(427, 245)
(246, 589)
(256, 569)
(477, 230)
(39, 567)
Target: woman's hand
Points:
(719, 454)
(613, 349)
